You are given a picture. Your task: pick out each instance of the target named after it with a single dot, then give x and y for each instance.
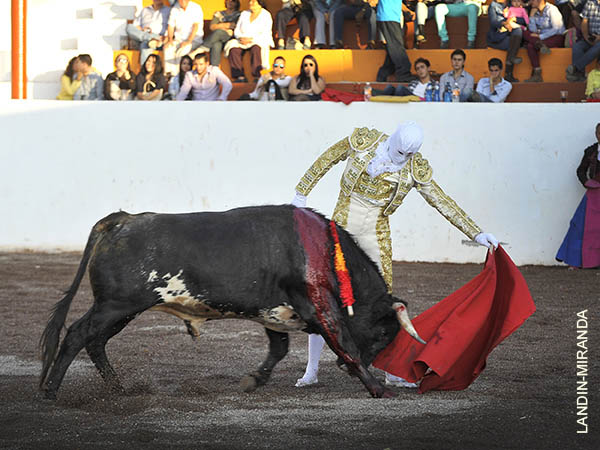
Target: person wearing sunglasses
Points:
(120, 84)
(277, 77)
(308, 85)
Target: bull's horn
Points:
(402, 315)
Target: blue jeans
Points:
(320, 26)
(400, 90)
(584, 53)
(456, 10)
(142, 37)
(348, 12)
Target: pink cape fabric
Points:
(462, 329)
(590, 250)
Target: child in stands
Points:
(517, 14)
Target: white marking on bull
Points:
(179, 301)
(153, 276)
(175, 289)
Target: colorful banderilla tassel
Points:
(341, 271)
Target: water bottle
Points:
(436, 92)
(368, 91)
(447, 92)
(429, 93)
(271, 92)
(456, 93)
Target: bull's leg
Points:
(278, 348)
(97, 351)
(344, 347)
(71, 345)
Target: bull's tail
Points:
(51, 335)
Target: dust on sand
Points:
(185, 394)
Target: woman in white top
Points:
(253, 33)
(277, 77)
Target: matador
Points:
(380, 172)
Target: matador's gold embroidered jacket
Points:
(390, 189)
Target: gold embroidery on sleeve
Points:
(436, 197)
(333, 155)
(421, 170)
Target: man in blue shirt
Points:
(494, 89)
(389, 23)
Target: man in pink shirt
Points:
(206, 82)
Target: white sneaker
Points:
(306, 381)
(391, 380)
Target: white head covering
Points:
(392, 154)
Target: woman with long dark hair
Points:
(120, 84)
(185, 65)
(308, 85)
(70, 80)
(150, 82)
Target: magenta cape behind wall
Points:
(462, 329)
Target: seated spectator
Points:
(221, 26)
(592, 87)
(302, 11)
(425, 10)
(308, 85)
(516, 14)
(576, 10)
(546, 30)
(565, 7)
(184, 33)
(70, 80)
(252, 33)
(149, 28)
(458, 76)
(587, 49)
(493, 88)
(416, 87)
(92, 85)
(458, 8)
(185, 65)
(277, 77)
(323, 11)
(120, 84)
(150, 83)
(206, 82)
(505, 34)
(389, 22)
(357, 10)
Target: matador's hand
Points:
(486, 239)
(299, 200)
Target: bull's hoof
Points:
(248, 383)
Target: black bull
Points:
(269, 264)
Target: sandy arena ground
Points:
(185, 394)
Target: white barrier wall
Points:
(67, 164)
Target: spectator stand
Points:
(349, 68)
